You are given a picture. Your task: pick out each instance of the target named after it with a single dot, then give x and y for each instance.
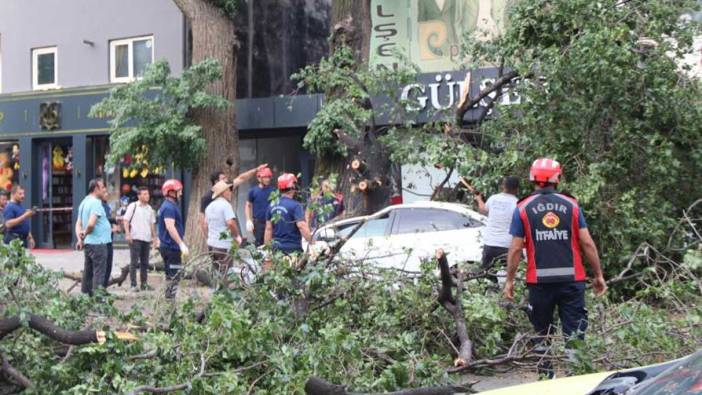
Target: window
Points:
(372, 228)
(420, 220)
(44, 68)
(130, 57)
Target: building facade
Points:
(60, 57)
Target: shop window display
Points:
(9, 164)
(123, 181)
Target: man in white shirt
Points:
(499, 209)
(140, 231)
(221, 227)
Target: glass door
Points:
(54, 179)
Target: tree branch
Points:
(171, 388)
(351, 143)
(14, 374)
(49, 329)
(441, 185)
(453, 306)
(317, 386)
(78, 277)
(469, 104)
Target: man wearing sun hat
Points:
(220, 223)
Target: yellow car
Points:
(679, 377)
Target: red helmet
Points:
(264, 172)
(287, 181)
(171, 185)
(545, 170)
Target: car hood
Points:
(576, 385)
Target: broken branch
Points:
(14, 374)
(317, 386)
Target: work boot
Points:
(146, 287)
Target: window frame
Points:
(130, 57)
(404, 211)
(35, 67)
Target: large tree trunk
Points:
(213, 37)
(351, 26)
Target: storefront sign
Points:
(435, 92)
(60, 111)
(429, 32)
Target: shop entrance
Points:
(53, 193)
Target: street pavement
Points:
(72, 260)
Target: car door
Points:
(461, 235)
(370, 242)
(418, 232)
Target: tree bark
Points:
(351, 27)
(213, 37)
(455, 308)
(48, 328)
(317, 386)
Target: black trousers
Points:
(570, 300)
(108, 267)
(9, 236)
(139, 258)
(491, 255)
(173, 266)
(259, 231)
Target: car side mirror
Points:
(327, 234)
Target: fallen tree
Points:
(251, 335)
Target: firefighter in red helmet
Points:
(257, 204)
(171, 230)
(285, 219)
(552, 227)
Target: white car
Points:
(401, 236)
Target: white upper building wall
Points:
(65, 24)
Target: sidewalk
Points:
(72, 260)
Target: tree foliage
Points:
(347, 322)
(149, 117)
(603, 92)
(350, 109)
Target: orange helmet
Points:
(171, 185)
(264, 172)
(287, 181)
(545, 170)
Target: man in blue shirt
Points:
(257, 204)
(93, 232)
(285, 219)
(17, 219)
(171, 231)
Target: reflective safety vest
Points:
(551, 229)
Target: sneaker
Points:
(146, 287)
(133, 289)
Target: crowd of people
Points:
(280, 221)
(548, 227)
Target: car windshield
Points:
(684, 378)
